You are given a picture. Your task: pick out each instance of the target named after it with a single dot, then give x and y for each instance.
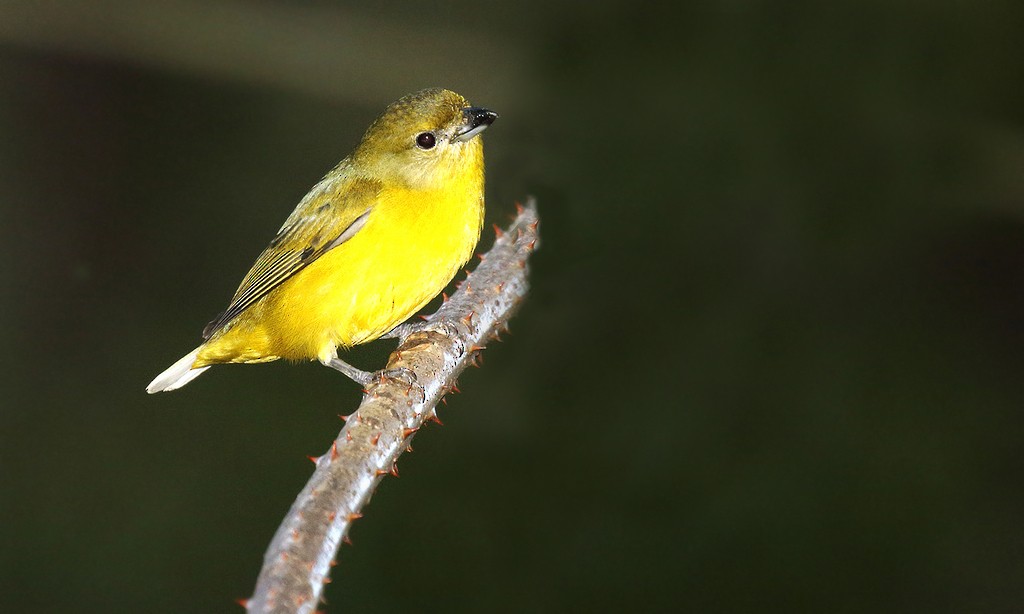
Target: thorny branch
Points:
(418, 375)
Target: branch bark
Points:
(418, 375)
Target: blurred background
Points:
(771, 361)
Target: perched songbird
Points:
(368, 246)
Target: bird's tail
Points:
(177, 375)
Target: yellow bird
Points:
(372, 242)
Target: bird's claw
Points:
(406, 328)
(402, 374)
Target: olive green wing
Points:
(327, 217)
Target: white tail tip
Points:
(177, 375)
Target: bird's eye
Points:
(426, 140)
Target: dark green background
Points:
(771, 361)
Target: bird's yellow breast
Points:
(412, 244)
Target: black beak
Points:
(479, 116)
(477, 120)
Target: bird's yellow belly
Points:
(403, 257)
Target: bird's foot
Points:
(403, 374)
(407, 328)
(365, 378)
(357, 375)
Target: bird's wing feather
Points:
(332, 213)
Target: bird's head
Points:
(425, 140)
